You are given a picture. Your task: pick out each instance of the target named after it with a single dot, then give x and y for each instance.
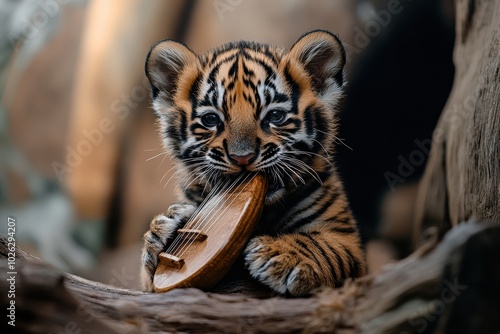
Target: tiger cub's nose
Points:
(242, 160)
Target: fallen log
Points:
(431, 290)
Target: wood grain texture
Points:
(462, 176)
(228, 220)
(403, 298)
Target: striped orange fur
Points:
(253, 107)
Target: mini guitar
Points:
(207, 246)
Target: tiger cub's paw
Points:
(274, 262)
(161, 231)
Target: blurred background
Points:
(82, 168)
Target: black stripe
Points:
(202, 136)
(216, 158)
(193, 95)
(335, 218)
(230, 86)
(340, 264)
(216, 68)
(302, 146)
(295, 90)
(310, 206)
(217, 152)
(279, 97)
(183, 126)
(308, 119)
(316, 213)
(343, 230)
(304, 192)
(193, 195)
(305, 248)
(248, 98)
(258, 102)
(216, 57)
(172, 131)
(266, 50)
(249, 83)
(248, 72)
(148, 259)
(292, 120)
(270, 150)
(187, 153)
(267, 96)
(321, 125)
(317, 245)
(233, 70)
(215, 95)
(206, 103)
(268, 262)
(215, 163)
(269, 71)
(287, 132)
(226, 102)
(155, 237)
(196, 126)
(268, 83)
(353, 263)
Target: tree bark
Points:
(462, 176)
(431, 290)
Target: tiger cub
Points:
(252, 107)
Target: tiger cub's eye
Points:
(210, 120)
(276, 116)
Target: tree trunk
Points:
(462, 176)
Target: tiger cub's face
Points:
(248, 106)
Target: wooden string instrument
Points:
(210, 242)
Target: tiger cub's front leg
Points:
(321, 254)
(161, 232)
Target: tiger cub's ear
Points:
(164, 64)
(323, 57)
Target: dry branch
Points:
(403, 298)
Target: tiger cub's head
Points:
(250, 106)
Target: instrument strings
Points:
(198, 218)
(172, 249)
(203, 214)
(208, 215)
(206, 211)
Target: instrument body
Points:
(209, 249)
